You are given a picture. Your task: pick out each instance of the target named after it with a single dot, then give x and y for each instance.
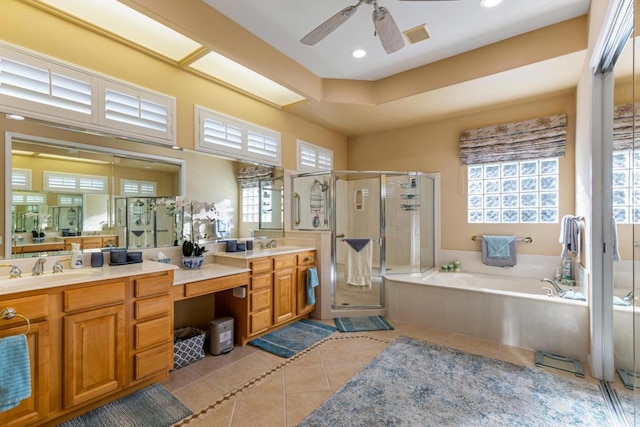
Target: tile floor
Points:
(283, 392)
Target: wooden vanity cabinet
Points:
(305, 261)
(94, 342)
(260, 296)
(34, 409)
(284, 288)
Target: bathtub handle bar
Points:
(518, 239)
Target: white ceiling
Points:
(455, 27)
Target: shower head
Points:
(324, 186)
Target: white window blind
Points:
(20, 179)
(312, 158)
(134, 110)
(29, 83)
(69, 200)
(131, 187)
(220, 134)
(18, 198)
(73, 183)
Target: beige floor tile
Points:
(300, 405)
(273, 384)
(307, 379)
(309, 360)
(473, 345)
(239, 373)
(338, 375)
(199, 395)
(259, 411)
(221, 416)
(435, 336)
(337, 351)
(518, 356)
(181, 378)
(211, 363)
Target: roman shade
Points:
(249, 176)
(530, 139)
(623, 120)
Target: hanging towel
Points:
(570, 235)
(15, 371)
(312, 282)
(359, 259)
(357, 244)
(499, 251)
(616, 252)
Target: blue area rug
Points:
(414, 383)
(152, 406)
(356, 324)
(287, 341)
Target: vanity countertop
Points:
(182, 276)
(72, 276)
(260, 253)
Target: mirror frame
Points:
(10, 136)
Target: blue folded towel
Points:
(357, 244)
(312, 282)
(498, 246)
(619, 301)
(575, 295)
(15, 371)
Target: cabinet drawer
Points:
(261, 281)
(94, 296)
(259, 321)
(147, 286)
(307, 259)
(152, 332)
(214, 285)
(260, 300)
(155, 360)
(91, 242)
(284, 261)
(260, 266)
(152, 307)
(33, 308)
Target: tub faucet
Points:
(557, 287)
(628, 299)
(38, 269)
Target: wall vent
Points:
(416, 34)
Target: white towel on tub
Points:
(359, 261)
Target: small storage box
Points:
(188, 346)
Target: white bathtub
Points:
(507, 310)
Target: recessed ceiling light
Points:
(358, 53)
(490, 3)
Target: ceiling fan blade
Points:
(324, 29)
(387, 30)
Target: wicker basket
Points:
(188, 346)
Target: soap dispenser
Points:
(76, 256)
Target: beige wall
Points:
(433, 147)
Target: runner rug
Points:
(414, 383)
(152, 406)
(291, 339)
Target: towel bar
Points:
(519, 239)
(10, 313)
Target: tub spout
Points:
(628, 298)
(557, 287)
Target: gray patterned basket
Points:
(188, 346)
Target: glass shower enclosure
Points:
(143, 222)
(381, 223)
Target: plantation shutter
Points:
(530, 139)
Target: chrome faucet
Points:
(38, 269)
(14, 272)
(557, 287)
(272, 244)
(57, 267)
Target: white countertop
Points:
(259, 253)
(72, 276)
(207, 271)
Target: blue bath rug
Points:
(415, 383)
(152, 406)
(356, 324)
(292, 339)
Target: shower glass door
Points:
(358, 264)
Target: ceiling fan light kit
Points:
(385, 27)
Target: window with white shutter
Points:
(73, 183)
(129, 187)
(312, 158)
(228, 136)
(20, 179)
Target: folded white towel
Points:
(570, 235)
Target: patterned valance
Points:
(249, 176)
(623, 126)
(529, 139)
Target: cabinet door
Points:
(94, 354)
(302, 304)
(284, 295)
(33, 409)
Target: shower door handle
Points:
(340, 236)
(296, 206)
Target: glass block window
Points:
(626, 186)
(250, 204)
(514, 192)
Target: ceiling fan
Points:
(385, 27)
